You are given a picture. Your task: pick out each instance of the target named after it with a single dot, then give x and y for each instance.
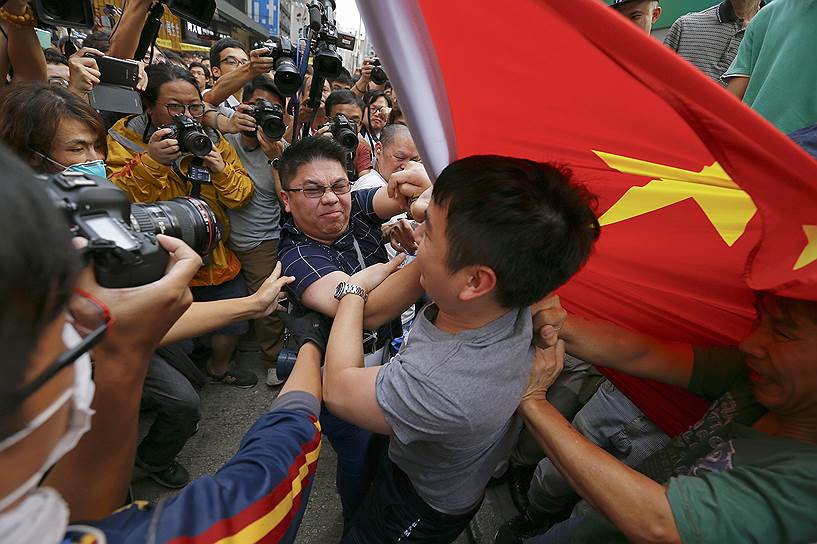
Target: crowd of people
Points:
(431, 349)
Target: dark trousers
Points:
(176, 402)
(393, 512)
(356, 466)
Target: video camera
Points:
(270, 117)
(122, 236)
(190, 135)
(287, 77)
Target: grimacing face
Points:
(326, 218)
(781, 353)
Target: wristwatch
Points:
(344, 289)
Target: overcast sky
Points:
(347, 16)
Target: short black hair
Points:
(159, 74)
(345, 77)
(221, 45)
(265, 83)
(174, 58)
(55, 57)
(528, 221)
(371, 96)
(342, 96)
(39, 269)
(197, 64)
(390, 132)
(306, 150)
(101, 41)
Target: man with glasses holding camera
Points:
(332, 234)
(255, 228)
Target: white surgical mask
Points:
(80, 395)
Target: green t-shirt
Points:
(726, 481)
(779, 53)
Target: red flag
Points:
(681, 168)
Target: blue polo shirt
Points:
(308, 260)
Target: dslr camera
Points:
(268, 116)
(190, 135)
(378, 75)
(344, 131)
(121, 236)
(287, 77)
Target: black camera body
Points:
(287, 76)
(190, 135)
(268, 116)
(344, 131)
(378, 75)
(122, 242)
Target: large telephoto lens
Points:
(287, 78)
(187, 218)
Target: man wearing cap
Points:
(644, 13)
(709, 39)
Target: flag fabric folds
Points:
(702, 201)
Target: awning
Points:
(233, 14)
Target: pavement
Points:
(228, 412)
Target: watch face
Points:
(339, 290)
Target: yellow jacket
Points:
(145, 180)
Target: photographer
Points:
(232, 68)
(375, 117)
(256, 227)
(149, 165)
(364, 84)
(347, 104)
(54, 415)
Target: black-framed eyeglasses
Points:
(317, 191)
(196, 110)
(233, 61)
(92, 319)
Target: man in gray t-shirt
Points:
(255, 228)
(448, 399)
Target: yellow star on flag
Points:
(727, 207)
(809, 254)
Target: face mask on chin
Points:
(19, 524)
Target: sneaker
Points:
(272, 378)
(237, 377)
(174, 476)
(519, 529)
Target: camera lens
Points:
(187, 218)
(273, 127)
(196, 143)
(287, 78)
(328, 64)
(379, 76)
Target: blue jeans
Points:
(611, 421)
(354, 472)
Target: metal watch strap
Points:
(345, 288)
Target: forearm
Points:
(606, 344)
(125, 40)
(393, 296)
(203, 317)
(344, 350)
(228, 85)
(306, 374)
(636, 505)
(24, 52)
(109, 448)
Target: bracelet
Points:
(25, 20)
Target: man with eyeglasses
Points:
(232, 69)
(332, 234)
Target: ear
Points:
(216, 71)
(480, 281)
(656, 14)
(378, 150)
(284, 197)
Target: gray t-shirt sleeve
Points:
(673, 39)
(415, 408)
(298, 401)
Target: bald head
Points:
(394, 150)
